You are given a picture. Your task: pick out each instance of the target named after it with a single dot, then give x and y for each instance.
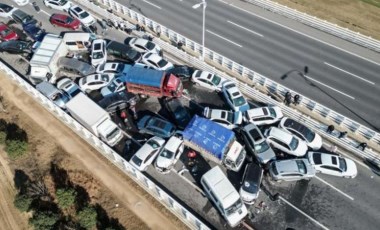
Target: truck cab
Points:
(173, 86)
(235, 156)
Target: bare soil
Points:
(52, 143)
(362, 16)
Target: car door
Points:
(148, 160)
(331, 170)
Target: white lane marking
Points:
(246, 29)
(336, 189)
(152, 4)
(295, 31)
(330, 87)
(303, 213)
(345, 71)
(224, 38)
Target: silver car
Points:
(291, 170)
(256, 144)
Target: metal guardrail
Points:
(320, 24)
(242, 73)
(154, 190)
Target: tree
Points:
(66, 197)
(22, 202)
(44, 220)
(16, 148)
(87, 217)
(3, 131)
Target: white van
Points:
(223, 194)
(77, 41)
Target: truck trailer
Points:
(94, 118)
(214, 142)
(151, 82)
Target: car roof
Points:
(258, 112)
(173, 144)
(234, 92)
(77, 9)
(287, 166)
(280, 134)
(290, 123)
(60, 16)
(254, 132)
(139, 41)
(329, 159)
(159, 123)
(144, 151)
(219, 113)
(154, 57)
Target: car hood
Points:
(266, 156)
(351, 168)
(164, 162)
(301, 149)
(316, 143)
(248, 197)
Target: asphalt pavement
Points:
(323, 203)
(341, 76)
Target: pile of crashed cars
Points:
(285, 148)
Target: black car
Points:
(178, 112)
(117, 101)
(182, 71)
(123, 52)
(16, 47)
(23, 18)
(250, 184)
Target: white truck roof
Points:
(83, 107)
(45, 52)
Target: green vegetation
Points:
(22, 202)
(372, 2)
(3, 131)
(16, 148)
(44, 220)
(87, 217)
(66, 197)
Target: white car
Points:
(6, 10)
(95, 81)
(156, 61)
(62, 5)
(98, 52)
(111, 67)
(208, 80)
(147, 153)
(21, 2)
(67, 85)
(225, 118)
(234, 98)
(333, 165)
(116, 85)
(286, 142)
(83, 16)
(143, 45)
(312, 139)
(264, 115)
(169, 154)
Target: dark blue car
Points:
(34, 32)
(155, 126)
(179, 114)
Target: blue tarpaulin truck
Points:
(214, 142)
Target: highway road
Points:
(342, 76)
(323, 203)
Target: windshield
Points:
(83, 15)
(239, 101)
(136, 160)
(216, 80)
(301, 166)
(5, 32)
(97, 55)
(167, 154)
(120, 68)
(233, 208)
(250, 186)
(113, 134)
(149, 45)
(342, 164)
(153, 144)
(294, 143)
(69, 20)
(162, 63)
(261, 147)
(309, 135)
(62, 2)
(272, 112)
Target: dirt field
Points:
(51, 142)
(358, 15)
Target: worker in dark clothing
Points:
(362, 146)
(330, 129)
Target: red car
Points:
(6, 34)
(66, 21)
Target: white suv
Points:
(62, 5)
(98, 52)
(286, 142)
(264, 115)
(225, 118)
(234, 98)
(169, 154)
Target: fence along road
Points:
(154, 190)
(313, 114)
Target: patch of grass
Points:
(372, 2)
(16, 148)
